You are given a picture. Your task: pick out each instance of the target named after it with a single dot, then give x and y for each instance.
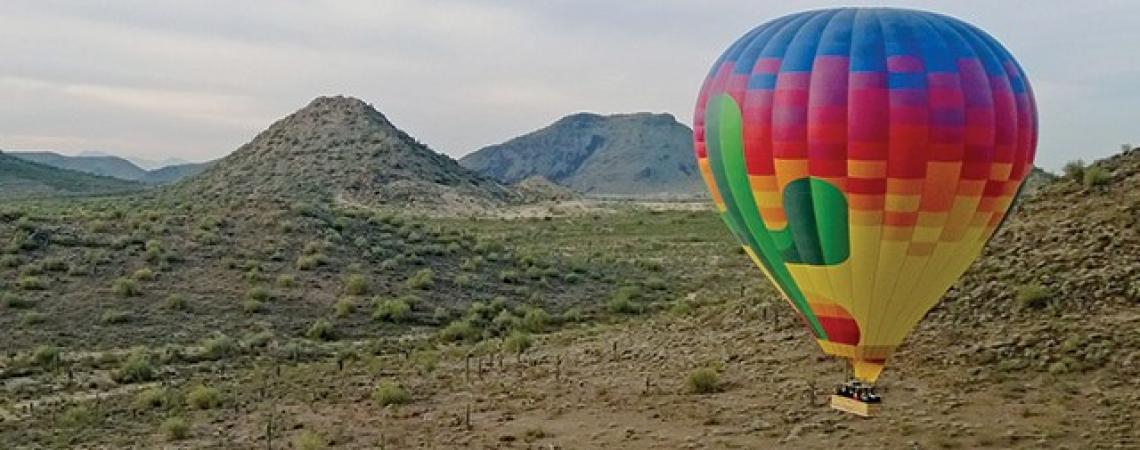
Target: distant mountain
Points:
(639, 154)
(104, 164)
(341, 149)
(171, 174)
(20, 178)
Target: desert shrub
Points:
(463, 280)
(309, 440)
(153, 398)
(423, 279)
(253, 306)
(47, 356)
(203, 397)
(32, 270)
(79, 270)
(143, 274)
(153, 251)
(506, 321)
(518, 342)
(13, 301)
(391, 393)
(322, 330)
(136, 368)
(509, 276)
(1033, 296)
(344, 306)
(356, 284)
(55, 265)
(259, 294)
(115, 317)
(392, 310)
(30, 283)
(176, 302)
(470, 264)
(313, 247)
(1095, 176)
(703, 381)
(622, 302)
(535, 320)
(286, 281)
(460, 330)
(10, 261)
(257, 340)
(219, 347)
(175, 428)
(126, 287)
(572, 278)
(1074, 170)
(310, 262)
(79, 416)
(573, 315)
(34, 318)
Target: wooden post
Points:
(467, 417)
(467, 369)
(558, 369)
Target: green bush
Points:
(344, 306)
(1033, 296)
(34, 318)
(153, 398)
(1074, 170)
(175, 428)
(309, 440)
(79, 416)
(219, 347)
(202, 397)
(703, 381)
(423, 279)
(460, 330)
(252, 306)
(356, 284)
(126, 287)
(518, 342)
(392, 310)
(13, 301)
(322, 330)
(259, 294)
(135, 369)
(29, 283)
(1095, 176)
(536, 320)
(55, 264)
(310, 262)
(176, 302)
(143, 274)
(391, 393)
(10, 261)
(509, 276)
(47, 356)
(286, 281)
(115, 317)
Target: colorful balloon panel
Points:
(863, 157)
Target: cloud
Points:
(197, 79)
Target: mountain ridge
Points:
(634, 154)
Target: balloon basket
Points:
(853, 406)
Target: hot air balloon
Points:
(863, 157)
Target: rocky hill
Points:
(341, 149)
(22, 179)
(102, 164)
(643, 155)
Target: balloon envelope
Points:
(863, 157)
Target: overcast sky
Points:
(196, 79)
